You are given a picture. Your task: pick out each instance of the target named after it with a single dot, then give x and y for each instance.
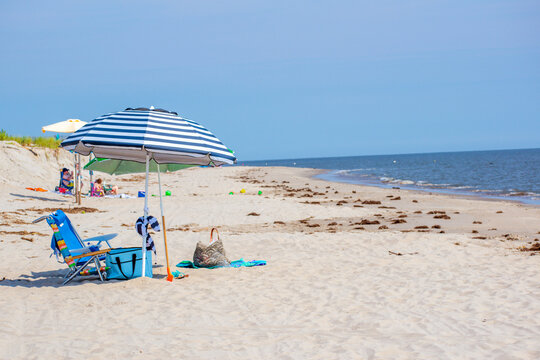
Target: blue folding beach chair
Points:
(67, 243)
(61, 184)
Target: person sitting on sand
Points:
(99, 189)
(67, 179)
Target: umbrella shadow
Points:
(37, 197)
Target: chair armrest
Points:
(95, 253)
(84, 250)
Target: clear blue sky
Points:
(284, 79)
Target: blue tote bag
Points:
(126, 263)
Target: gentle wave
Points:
(354, 174)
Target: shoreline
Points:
(500, 174)
(441, 191)
(316, 175)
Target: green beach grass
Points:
(39, 141)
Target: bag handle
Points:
(133, 261)
(212, 235)
(120, 267)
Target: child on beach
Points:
(99, 189)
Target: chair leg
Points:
(78, 270)
(69, 272)
(98, 268)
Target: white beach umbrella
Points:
(144, 134)
(66, 127)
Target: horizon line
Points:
(413, 153)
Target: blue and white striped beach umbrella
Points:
(142, 135)
(132, 134)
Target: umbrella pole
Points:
(75, 172)
(145, 215)
(79, 179)
(169, 275)
(91, 173)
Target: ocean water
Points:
(502, 174)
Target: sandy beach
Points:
(354, 272)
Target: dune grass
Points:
(39, 141)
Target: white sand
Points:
(323, 294)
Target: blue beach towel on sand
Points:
(234, 264)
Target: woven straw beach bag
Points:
(212, 254)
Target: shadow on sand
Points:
(38, 198)
(55, 278)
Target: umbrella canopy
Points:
(67, 126)
(120, 167)
(133, 133)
